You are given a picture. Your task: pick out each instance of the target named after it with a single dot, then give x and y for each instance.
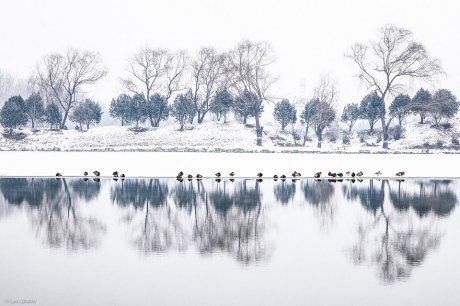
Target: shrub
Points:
(397, 132)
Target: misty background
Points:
(309, 39)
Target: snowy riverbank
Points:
(162, 164)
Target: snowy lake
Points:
(150, 241)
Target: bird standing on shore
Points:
(190, 177)
(259, 174)
(340, 174)
(275, 177)
(232, 173)
(96, 173)
(199, 176)
(218, 174)
(360, 173)
(85, 173)
(378, 173)
(400, 173)
(283, 177)
(58, 174)
(317, 174)
(115, 174)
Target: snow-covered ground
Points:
(226, 137)
(168, 164)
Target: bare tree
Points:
(155, 70)
(393, 57)
(64, 77)
(248, 72)
(208, 72)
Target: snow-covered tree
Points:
(137, 109)
(12, 115)
(370, 108)
(34, 108)
(445, 105)
(350, 115)
(157, 109)
(183, 108)
(87, 112)
(285, 113)
(421, 103)
(400, 107)
(384, 63)
(53, 115)
(247, 105)
(120, 107)
(221, 104)
(306, 118)
(63, 77)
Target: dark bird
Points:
(332, 174)
(232, 173)
(58, 174)
(340, 174)
(115, 174)
(180, 174)
(259, 174)
(122, 175)
(400, 173)
(275, 177)
(317, 175)
(199, 176)
(85, 173)
(218, 174)
(283, 177)
(353, 174)
(190, 177)
(347, 173)
(378, 173)
(96, 173)
(360, 173)
(295, 174)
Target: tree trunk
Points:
(422, 116)
(66, 113)
(305, 136)
(258, 131)
(245, 119)
(371, 124)
(320, 139)
(87, 125)
(152, 122)
(33, 123)
(385, 133)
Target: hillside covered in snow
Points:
(232, 137)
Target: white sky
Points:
(309, 38)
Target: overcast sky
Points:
(309, 38)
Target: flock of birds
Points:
(295, 175)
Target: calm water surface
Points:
(164, 242)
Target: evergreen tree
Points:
(445, 105)
(350, 115)
(119, 108)
(285, 113)
(421, 103)
(137, 109)
(87, 112)
(371, 108)
(53, 115)
(221, 104)
(320, 115)
(400, 107)
(306, 118)
(12, 115)
(183, 108)
(157, 109)
(34, 108)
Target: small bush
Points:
(362, 139)
(439, 144)
(454, 140)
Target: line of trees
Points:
(159, 83)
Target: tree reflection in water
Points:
(212, 216)
(54, 214)
(319, 194)
(399, 233)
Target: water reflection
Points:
(398, 222)
(399, 233)
(53, 210)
